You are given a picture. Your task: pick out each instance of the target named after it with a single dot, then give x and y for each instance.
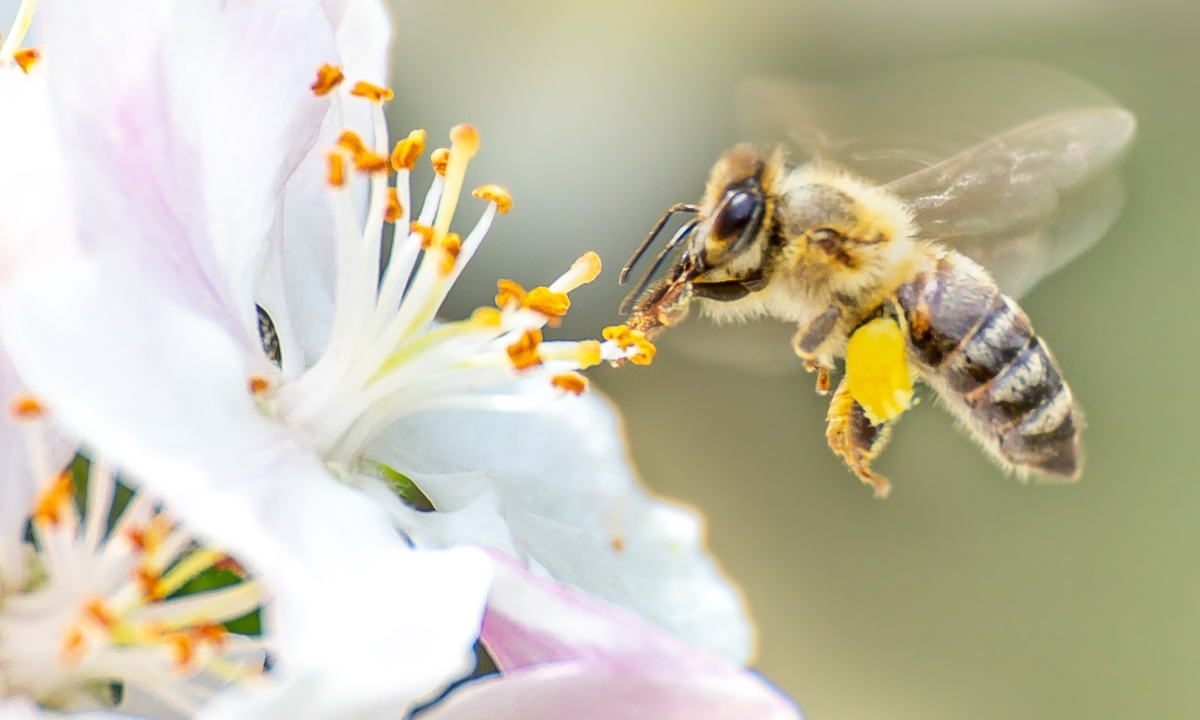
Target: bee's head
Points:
(730, 237)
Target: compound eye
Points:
(736, 214)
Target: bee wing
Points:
(1029, 200)
(1009, 162)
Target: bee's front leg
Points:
(855, 439)
(808, 340)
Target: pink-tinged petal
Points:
(162, 392)
(34, 224)
(184, 120)
(564, 654)
(573, 505)
(583, 692)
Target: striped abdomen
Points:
(977, 348)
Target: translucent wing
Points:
(1007, 162)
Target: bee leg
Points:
(857, 441)
(808, 340)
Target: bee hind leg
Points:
(856, 440)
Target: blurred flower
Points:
(562, 653)
(91, 609)
(363, 624)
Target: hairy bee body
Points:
(975, 346)
(873, 274)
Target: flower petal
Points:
(162, 393)
(184, 120)
(573, 505)
(565, 654)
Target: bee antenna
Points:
(678, 237)
(662, 222)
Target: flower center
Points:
(115, 598)
(388, 355)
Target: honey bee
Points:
(888, 276)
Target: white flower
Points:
(563, 654)
(363, 624)
(210, 181)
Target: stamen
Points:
(440, 158)
(581, 355)
(631, 340)
(583, 271)
(51, 506)
(328, 77)
(368, 162)
(336, 177)
(371, 92)
(497, 194)
(26, 58)
(524, 352)
(426, 233)
(404, 157)
(451, 246)
(394, 209)
(509, 293)
(259, 385)
(547, 302)
(571, 382)
(24, 406)
(352, 142)
(19, 29)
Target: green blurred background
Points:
(966, 594)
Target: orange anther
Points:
(524, 352)
(497, 194)
(549, 303)
(149, 582)
(328, 77)
(394, 210)
(259, 384)
(368, 162)
(336, 176)
(351, 141)
(51, 506)
(99, 613)
(440, 158)
(573, 383)
(26, 58)
(370, 91)
(404, 157)
(628, 339)
(73, 646)
(24, 406)
(451, 247)
(228, 564)
(509, 293)
(425, 232)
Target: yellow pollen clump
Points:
(259, 385)
(328, 77)
(149, 582)
(394, 210)
(451, 247)
(404, 157)
(877, 373)
(571, 382)
(509, 293)
(497, 194)
(524, 352)
(628, 339)
(26, 58)
(370, 91)
(425, 232)
(26, 407)
(50, 507)
(336, 175)
(440, 159)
